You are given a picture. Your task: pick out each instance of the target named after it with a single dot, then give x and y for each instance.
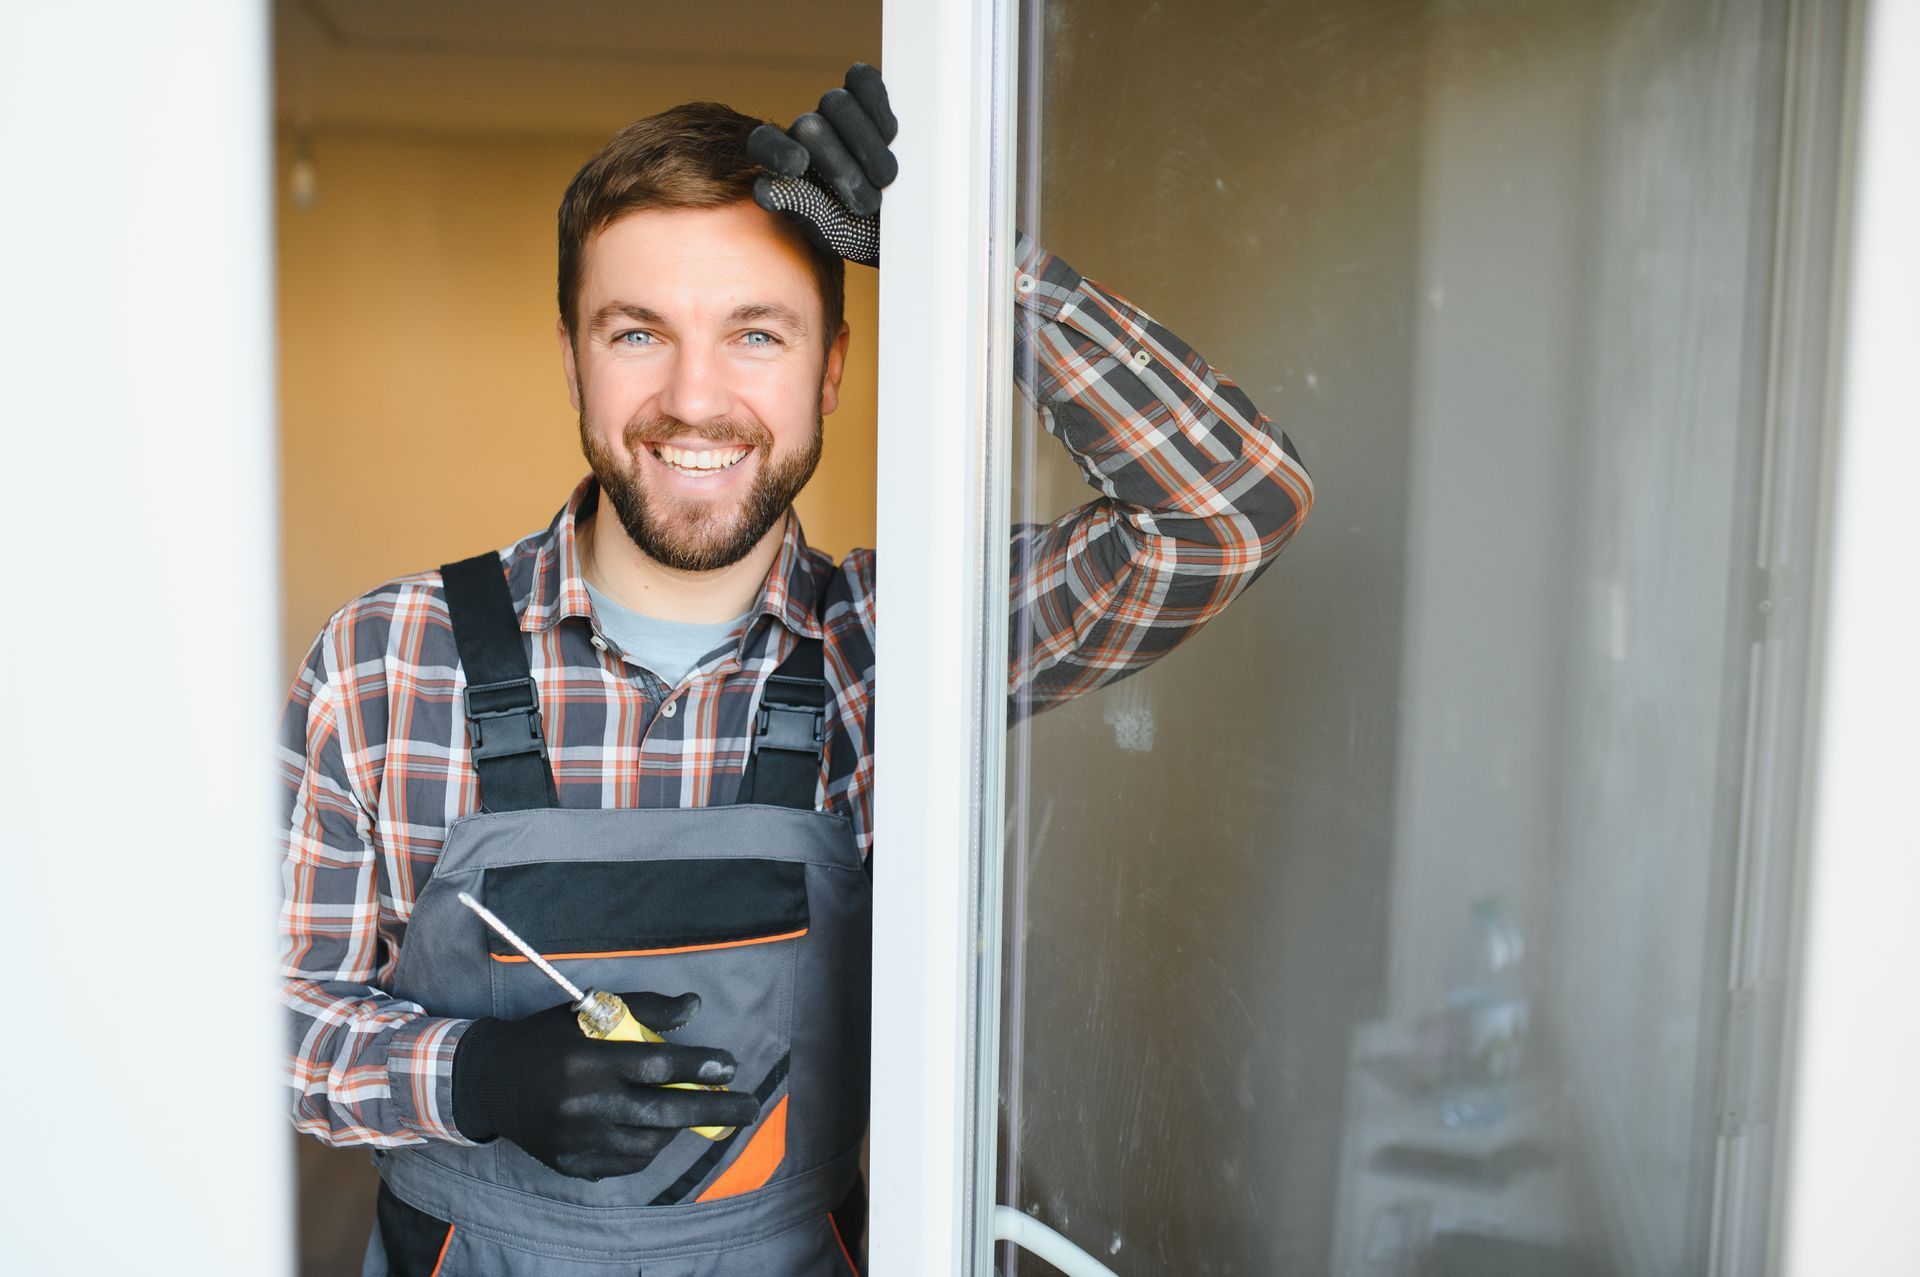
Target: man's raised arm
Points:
(1199, 489)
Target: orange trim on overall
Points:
(653, 953)
(757, 1161)
(442, 1257)
(845, 1254)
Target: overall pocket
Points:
(724, 928)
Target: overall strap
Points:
(789, 731)
(503, 710)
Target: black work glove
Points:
(587, 1108)
(827, 170)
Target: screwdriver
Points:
(601, 1015)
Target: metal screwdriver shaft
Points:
(526, 950)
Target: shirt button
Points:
(599, 642)
(1024, 283)
(1140, 359)
(670, 709)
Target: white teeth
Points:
(702, 461)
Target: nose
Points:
(696, 388)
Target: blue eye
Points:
(771, 340)
(623, 338)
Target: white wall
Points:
(136, 919)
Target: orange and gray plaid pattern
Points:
(1198, 493)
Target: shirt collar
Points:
(559, 588)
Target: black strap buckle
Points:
(800, 728)
(505, 718)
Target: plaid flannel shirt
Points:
(1199, 491)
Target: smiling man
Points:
(702, 365)
(642, 737)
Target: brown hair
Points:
(690, 156)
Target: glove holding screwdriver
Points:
(828, 168)
(587, 1108)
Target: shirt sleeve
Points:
(1199, 489)
(362, 1067)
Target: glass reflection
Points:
(1404, 922)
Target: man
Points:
(642, 737)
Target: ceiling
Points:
(557, 66)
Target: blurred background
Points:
(422, 149)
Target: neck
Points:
(619, 569)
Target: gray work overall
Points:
(762, 908)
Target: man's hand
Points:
(828, 169)
(587, 1108)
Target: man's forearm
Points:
(363, 1067)
(1201, 490)
(369, 1069)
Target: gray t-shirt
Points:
(668, 648)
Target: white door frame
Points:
(944, 391)
(143, 1057)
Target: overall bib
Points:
(762, 908)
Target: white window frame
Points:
(944, 395)
(1848, 1171)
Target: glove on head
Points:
(587, 1108)
(824, 219)
(828, 169)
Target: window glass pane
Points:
(1425, 912)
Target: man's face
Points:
(701, 374)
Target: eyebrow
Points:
(747, 313)
(760, 312)
(605, 316)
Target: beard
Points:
(699, 535)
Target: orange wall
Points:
(423, 415)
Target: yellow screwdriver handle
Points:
(607, 1018)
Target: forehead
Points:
(695, 260)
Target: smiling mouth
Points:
(701, 460)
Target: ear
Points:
(836, 365)
(567, 360)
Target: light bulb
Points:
(303, 181)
